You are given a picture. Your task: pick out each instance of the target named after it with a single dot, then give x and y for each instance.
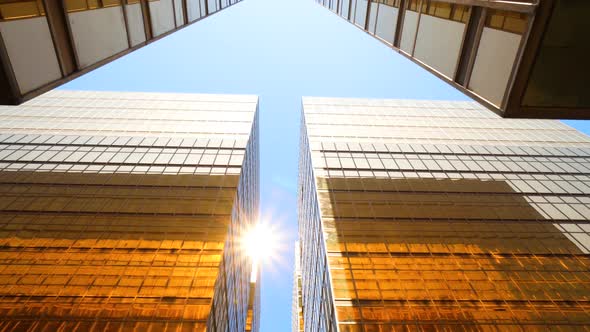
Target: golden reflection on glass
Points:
(110, 251)
(448, 255)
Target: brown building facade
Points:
(441, 216)
(123, 212)
(523, 59)
(45, 43)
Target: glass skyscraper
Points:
(440, 216)
(45, 43)
(296, 306)
(123, 211)
(519, 58)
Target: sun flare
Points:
(261, 244)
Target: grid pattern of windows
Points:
(43, 50)
(114, 250)
(434, 235)
(297, 299)
(234, 308)
(458, 41)
(466, 124)
(125, 157)
(121, 231)
(207, 117)
(317, 300)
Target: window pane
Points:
(20, 9)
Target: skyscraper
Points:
(124, 211)
(296, 306)
(522, 58)
(436, 215)
(45, 43)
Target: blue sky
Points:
(280, 50)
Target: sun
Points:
(259, 241)
(260, 244)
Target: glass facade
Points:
(235, 294)
(439, 216)
(297, 309)
(45, 43)
(119, 211)
(520, 59)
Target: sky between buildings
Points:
(280, 50)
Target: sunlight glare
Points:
(260, 244)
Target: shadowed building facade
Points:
(45, 43)
(123, 211)
(522, 58)
(439, 216)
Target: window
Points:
(454, 12)
(460, 13)
(507, 21)
(111, 3)
(80, 5)
(18, 9)
(413, 5)
(390, 3)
